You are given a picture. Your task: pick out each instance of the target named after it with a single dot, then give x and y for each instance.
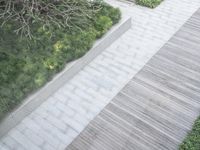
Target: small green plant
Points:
(102, 25)
(149, 3)
(192, 141)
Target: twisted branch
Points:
(62, 13)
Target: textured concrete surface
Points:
(63, 116)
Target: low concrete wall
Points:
(36, 99)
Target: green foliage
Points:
(192, 141)
(103, 23)
(149, 3)
(113, 13)
(26, 65)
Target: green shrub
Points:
(103, 23)
(149, 3)
(192, 141)
(26, 65)
(113, 13)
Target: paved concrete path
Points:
(158, 107)
(61, 118)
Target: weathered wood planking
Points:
(157, 108)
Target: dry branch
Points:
(62, 13)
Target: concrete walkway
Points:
(61, 118)
(158, 107)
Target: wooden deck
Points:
(157, 108)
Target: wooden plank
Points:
(173, 83)
(175, 70)
(181, 61)
(155, 120)
(161, 113)
(189, 31)
(190, 35)
(186, 54)
(177, 91)
(108, 136)
(161, 98)
(187, 45)
(142, 125)
(177, 79)
(132, 131)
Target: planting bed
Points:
(149, 3)
(26, 65)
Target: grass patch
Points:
(192, 141)
(26, 65)
(149, 3)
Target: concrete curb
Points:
(35, 100)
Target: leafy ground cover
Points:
(192, 141)
(149, 3)
(26, 65)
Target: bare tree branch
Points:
(62, 13)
